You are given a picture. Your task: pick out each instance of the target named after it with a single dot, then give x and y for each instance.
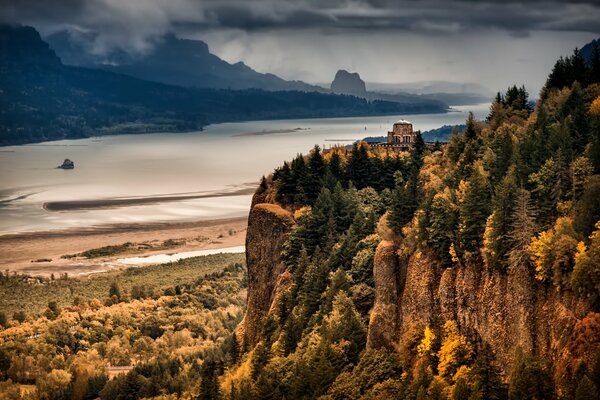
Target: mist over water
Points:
(222, 158)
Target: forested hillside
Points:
(469, 271)
(136, 333)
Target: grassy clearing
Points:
(127, 248)
(31, 295)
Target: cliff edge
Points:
(268, 228)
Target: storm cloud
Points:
(271, 35)
(139, 21)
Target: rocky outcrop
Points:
(268, 228)
(384, 323)
(348, 83)
(67, 164)
(506, 310)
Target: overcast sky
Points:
(492, 42)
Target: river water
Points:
(222, 158)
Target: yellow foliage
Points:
(595, 107)
(233, 377)
(553, 252)
(340, 150)
(540, 250)
(453, 253)
(454, 352)
(432, 173)
(302, 212)
(426, 345)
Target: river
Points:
(222, 159)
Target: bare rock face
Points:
(268, 228)
(507, 310)
(384, 324)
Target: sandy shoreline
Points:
(17, 251)
(72, 205)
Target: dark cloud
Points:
(342, 14)
(135, 24)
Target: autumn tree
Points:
(585, 279)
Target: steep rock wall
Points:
(268, 228)
(506, 310)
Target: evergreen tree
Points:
(286, 187)
(359, 166)
(473, 213)
(523, 228)
(260, 358)
(314, 177)
(443, 224)
(487, 380)
(498, 226)
(299, 173)
(401, 210)
(336, 167)
(529, 379)
(209, 383)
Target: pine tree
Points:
(359, 166)
(529, 379)
(498, 226)
(286, 187)
(473, 213)
(443, 223)
(401, 209)
(523, 228)
(487, 380)
(260, 358)
(314, 177)
(299, 172)
(336, 168)
(209, 383)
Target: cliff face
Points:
(505, 310)
(268, 228)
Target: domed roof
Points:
(403, 122)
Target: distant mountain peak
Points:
(348, 83)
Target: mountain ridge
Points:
(42, 99)
(172, 60)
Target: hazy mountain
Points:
(348, 83)
(175, 61)
(42, 99)
(452, 93)
(431, 87)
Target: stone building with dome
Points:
(401, 137)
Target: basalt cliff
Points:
(508, 311)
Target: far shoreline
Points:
(202, 129)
